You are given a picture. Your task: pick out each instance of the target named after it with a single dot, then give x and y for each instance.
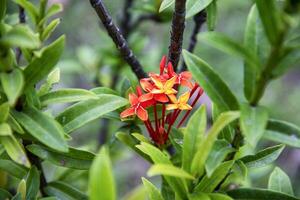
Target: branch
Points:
(199, 20)
(118, 38)
(178, 25)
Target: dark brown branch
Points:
(118, 38)
(199, 20)
(178, 25)
(22, 20)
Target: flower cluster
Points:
(162, 90)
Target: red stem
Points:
(163, 116)
(156, 121)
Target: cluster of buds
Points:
(162, 89)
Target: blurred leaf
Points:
(30, 9)
(52, 79)
(5, 129)
(218, 153)
(66, 96)
(20, 36)
(168, 170)
(250, 43)
(263, 157)
(32, 98)
(4, 194)
(140, 137)
(218, 196)
(195, 6)
(32, 183)
(198, 163)
(64, 191)
(279, 181)
(42, 127)
(74, 158)
(152, 191)
(50, 28)
(193, 135)
(253, 122)
(199, 196)
(13, 168)
(22, 189)
(137, 193)
(14, 124)
(101, 179)
(43, 65)
(283, 132)
(2, 11)
(54, 9)
(4, 110)
(81, 113)
(12, 84)
(103, 90)
(211, 11)
(211, 82)
(258, 194)
(165, 4)
(208, 184)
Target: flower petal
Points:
(145, 97)
(142, 113)
(158, 83)
(128, 112)
(184, 98)
(173, 98)
(161, 98)
(184, 107)
(162, 64)
(170, 83)
(172, 106)
(146, 84)
(186, 75)
(133, 99)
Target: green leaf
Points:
(152, 191)
(67, 96)
(218, 153)
(64, 191)
(193, 135)
(32, 183)
(52, 79)
(211, 12)
(101, 181)
(136, 193)
(42, 127)
(5, 130)
(140, 137)
(81, 113)
(279, 181)
(258, 194)
(43, 65)
(4, 110)
(250, 43)
(13, 168)
(195, 6)
(3, 193)
(20, 36)
(206, 145)
(165, 4)
(253, 122)
(14, 124)
(54, 9)
(263, 157)
(50, 28)
(12, 84)
(74, 158)
(22, 189)
(213, 85)
(208, 184)
(199, 196)
(30, 9)
(271, 19)
(283, 132)
(168, 170)
(103, 90)
(216, 196)
(2, 11)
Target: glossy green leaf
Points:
(3, 193)
(13, 168)
(152, 191)
(64, 191)
(103, 90)
(101, 180)
(41, 66)
(211, 11)
(258, 194)
(279, 181)
(253, 122)
(50, 28)
(218, 153)
(5, 129)
(42, 127)
(195, 6)
(12, 84)
(198, 163)
(250, 43)
(32, 183)
(168, 170)
(193, 135)
(263, 157)
(22, 189)
(54, 9)
(14, 124)
(29, 8)
(165, 4)
(81, 113)
(283, 132)
(4, 110)
(74, 158)
(67, 96)
(208, 184)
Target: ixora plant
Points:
(195, 161)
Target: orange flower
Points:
(184, 78)
(148, 86)
(164, 87)
(181, 103)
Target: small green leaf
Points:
(211, 11)
(13, 168)
(74, 158)
(263, 157)
(67, 96)
(279, 181)
(208, 184)
(258, 194)
(165, 4)
(4, 110)
(101, 180)
(152, 191)
(22, 189)
(14, 125)
(30, 9)
(103, 90)
(195, 6)
(32, 183)
(136, 193)
(168, 170)
(54, 9)
(253, 123)
(140, 137)
(52, 79)
(12, 83)
(50, 28)
(81, 113)
(43, 128)
(64, 191)
(5, 129)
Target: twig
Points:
(118, 38)
(178, 25)
(199, 20)
(22, 20)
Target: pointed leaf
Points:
(279, 181)
(195, 6)
(13, 168)
(4, 110)
(63, 191)
(165, 4)
(211, 11)
(168, 170)
(32, 183)
(152, 191)
(12, 84)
